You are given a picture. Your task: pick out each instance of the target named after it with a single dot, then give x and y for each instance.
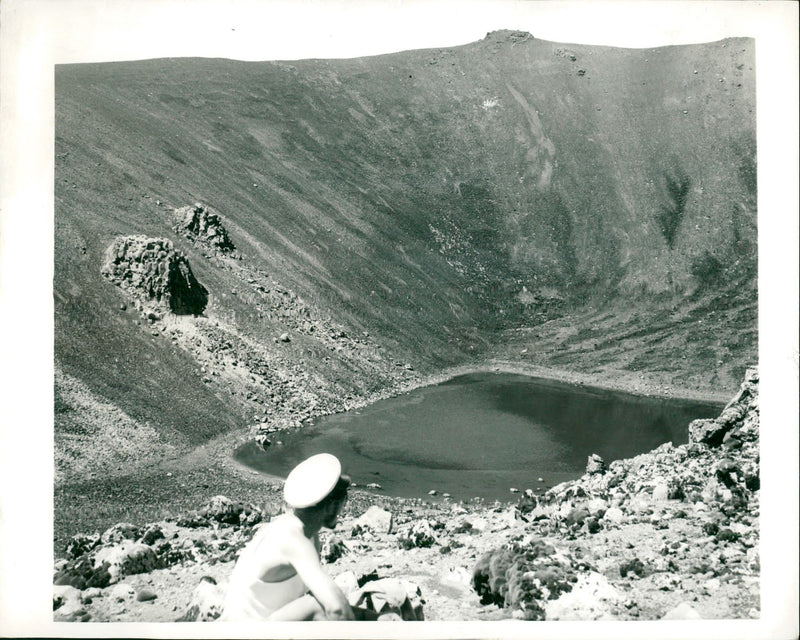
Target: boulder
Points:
(119, 532)
(478, 523)
(633, 567)
(577, 516)
(420, 534)
(207, 602)
(152, 534)
(706, 431)
(738, 415)
(199, 223)
(78, 545)
(66, 600)
(390, 598)
(154, 273)
(332, 549)
(126, 558)
(90, 594)
(347, 582)
(145, 595)
(592, 597)
(82, 573)
(222, 510)
(728, 472)
(375, 520)
(661, 492)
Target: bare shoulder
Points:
(285, 530)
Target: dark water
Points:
(480, 434)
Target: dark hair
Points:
(339, 490)
(338, 493)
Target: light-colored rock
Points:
(684, 611)
(376, 520)
(614, 514)
(595, 505)
(419, 533)
(347, 582)
(660, 493)
(66, 600)
(595, 465)
(712, 585)
(457, 577)
(90, 594)
(478, 523)
(126, 558)
(390, 596)
(208, 600)
(591, 598)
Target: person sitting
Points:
(278, 575)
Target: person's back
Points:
(263, 581)
(278, 575)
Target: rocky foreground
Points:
(670, 534)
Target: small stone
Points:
(145, 595)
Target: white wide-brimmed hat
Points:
(311, 480)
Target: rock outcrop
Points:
(198, 223)
(155, 274)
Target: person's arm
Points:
(300, 552)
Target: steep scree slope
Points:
(398, 212)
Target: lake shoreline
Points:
(620, 382)
(202, 471)
(617, 380)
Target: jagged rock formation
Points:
(198, 223)
(152, 271)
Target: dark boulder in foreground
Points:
(152, 271)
